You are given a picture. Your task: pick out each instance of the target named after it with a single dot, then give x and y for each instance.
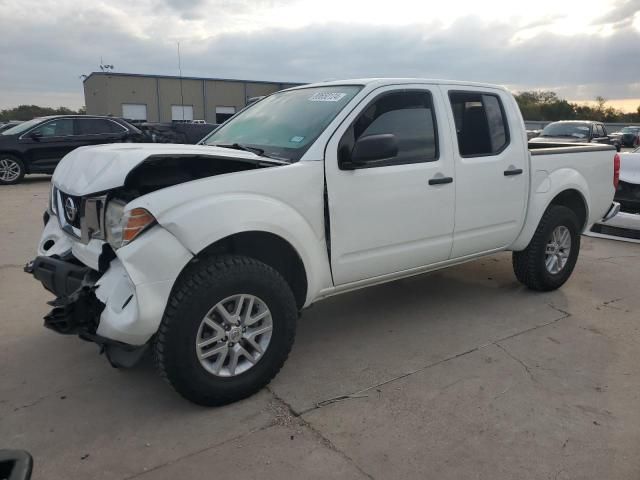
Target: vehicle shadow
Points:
(34, 179)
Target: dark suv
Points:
(36, 146)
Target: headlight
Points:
(122, 227)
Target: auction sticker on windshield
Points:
(327, 97)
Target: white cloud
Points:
(579, 52)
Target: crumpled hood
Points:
(558, 140)
(99, 168)
(630, 167)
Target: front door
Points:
(48, 143)
(491, 169)
(394, 215)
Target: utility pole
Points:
(106, 68)
(181, 91)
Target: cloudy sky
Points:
(578, 48)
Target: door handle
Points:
(515, 171)
(440, 180)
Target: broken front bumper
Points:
(76, 310)
(111, 298)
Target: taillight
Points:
(616, 170)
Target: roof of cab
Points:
(381, 82)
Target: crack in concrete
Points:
(28, 405)
(359, 393)
(317, 434)
(524, 365)
(11, 265)
(196, 452)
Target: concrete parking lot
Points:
(458, 374)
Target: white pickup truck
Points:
(207, 253)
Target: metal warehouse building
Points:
(163, 98)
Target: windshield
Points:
(21, 127)
(630, 130)
(285, 124)
(566, 129)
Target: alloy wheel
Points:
(9, 170)
(557, 250)
(234, 335)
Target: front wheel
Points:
(11, 169)
(227, 330)
(550, 257)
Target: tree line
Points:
(534, 105)
(546, 105)
(27, 112)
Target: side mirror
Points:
(15, 465)
(35, 135)
(373, 149)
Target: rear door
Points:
(48, 143)
(490, 169)
(96, 131)
(389, 217)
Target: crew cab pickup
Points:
(207, 253)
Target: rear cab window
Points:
(481, 123)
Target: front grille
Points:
(71, 209)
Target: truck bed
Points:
(558, 148)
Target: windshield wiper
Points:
(239, 146)
(258, 151)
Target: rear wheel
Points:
(227, 330)
(550, 257)
(11, 169)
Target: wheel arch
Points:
(572, 192)
(266, 247)
(574, 200)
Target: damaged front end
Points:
(110, 265)
(76, 308)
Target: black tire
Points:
(529, 264)
(201, 288)
(14, 161)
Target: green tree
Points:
(546, 105)
(27, 112)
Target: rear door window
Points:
(97, 126)
(481, 124)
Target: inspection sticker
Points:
(327, 97)
(296, 139)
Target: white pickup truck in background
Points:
(208, 253)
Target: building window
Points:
(181, 113)
(224, 113)
(134, 111)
